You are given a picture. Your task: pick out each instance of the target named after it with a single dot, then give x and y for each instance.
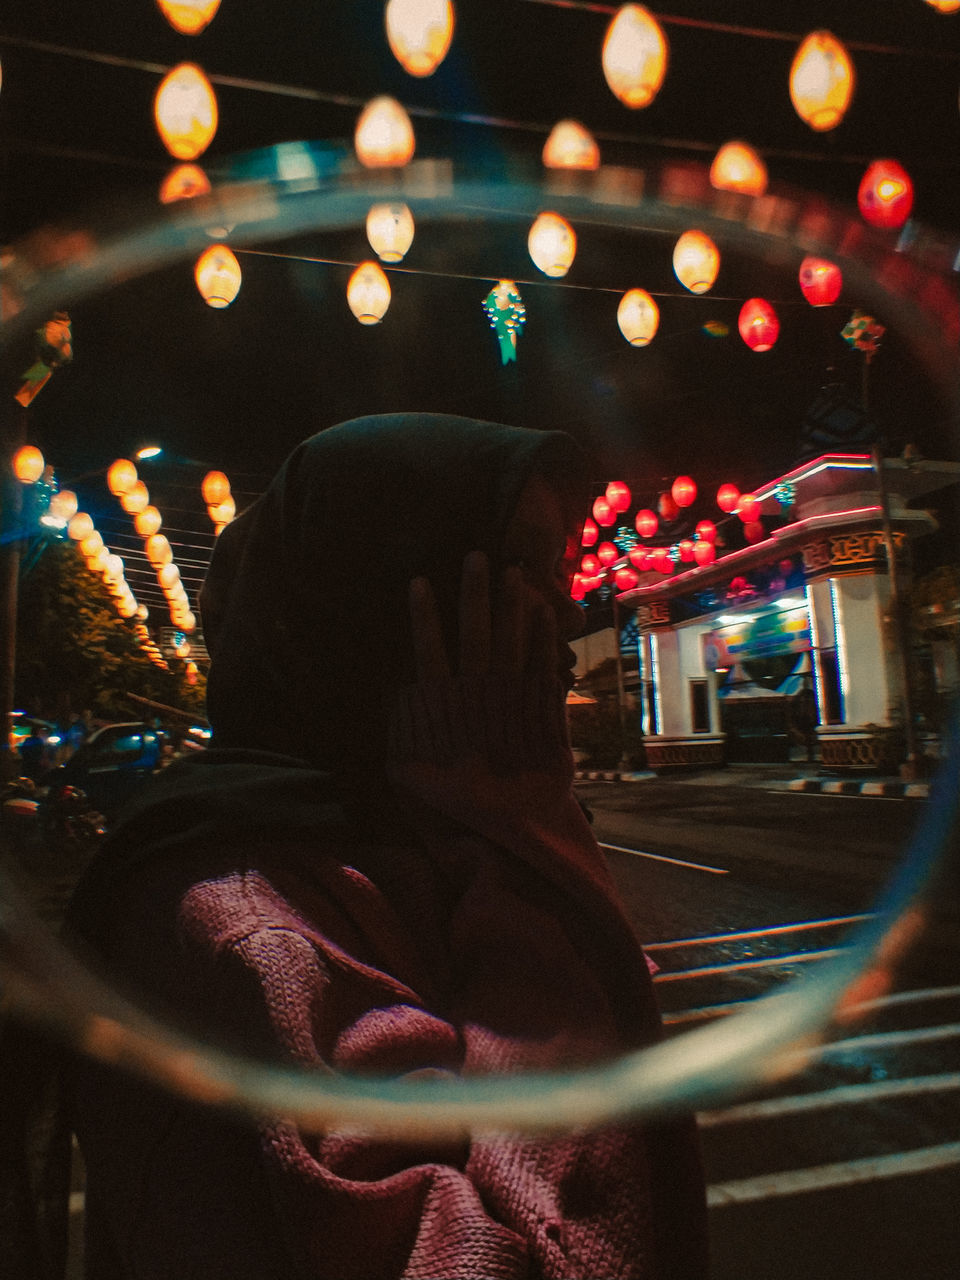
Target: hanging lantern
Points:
(625, 578)
(552, 244)
(63, 505)
(28, 464)
(570, 146)
(168, 575)
(214, 488)
(638, 317)
(607, 553)
(706, 531)
(185, 111)
(754, 531)
(147, 521)
(189, 17)
(646, 523)
(885, 194)
(135, 499)
(80, 527)
(590, 533)
(419, 33)
(91, 544)
(748, 508)
(737, 167)
(820, 281)
(224, 511)
(696, 261)
(704, 552)
(603, 513)
(183, 183)
(390, 231)
(218, 276)
(863, 333)
(504, 309)
(383, 138)
(617, 495)
(577, 588)
(113, 568)
(728, 495)
(944, 6)
(662, 560)
(821, 81)
(589, 566)
(368, 293)
(667, 508)
(635, 55)
(638, 557)
(158, 550)
(121, 476)
(686, 548)
(683, 491)
(96, 562)
(758, 324)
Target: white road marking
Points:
(659, 857)
(864, 1007)
(825, 1176)
(843, 1095)
(755, 933)
(887, 1039)
(765, 962)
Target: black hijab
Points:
(305, 604)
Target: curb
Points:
(890, 789)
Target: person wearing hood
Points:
(380, 868)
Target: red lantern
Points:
(748, 508)
(603, 513)
(684, 491)
(754, 531)
(617, 495)
(667, 507)
(758, 324)
(590, 533)
(686, 546)
(577, 589)
(646, 523)
(704, 552)
(820, 281)
(728, 495)
(589, 565)
(707, 531)
(885, 195)
(607, 553)
(625, 578)
(638, 557)
(662, 560)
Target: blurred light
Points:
(646, 523)
(368, 293)
(635, 55)
(617, 495)
(552, 244)
(218, 276)
(158, 550)
(28, 464)
(148, 451)
(728, 495)
(390, 231)
(147, 521)
(384, 136)
(135, 499)
(885, 194)
(758, 324)
(63, 505)
(185, 111)
(183, 183)
(820, 281)
(215, 488)
(638, 317)
(53, 522)
(80, 527)
(570, 146)
(684, 491)
(737, 167)
(121, 476)
(821, 81)
(419, 33)
(696, 261)
(189, 16)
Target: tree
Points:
(75, 653)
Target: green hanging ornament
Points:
(863, 333)
(53, 348)
(506, 313)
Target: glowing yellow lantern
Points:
(121, 476)
(638, 317)
(185, 111)
(147, 521)
(80, 527)
(189, 16)
(96, 562)
(215, 488)
(571, 146)
(188, 621)
(223, 512)
(218, 276)
(635, 55)
(737, 167)
(419, 33)
(552, 243)
(158, 550)
(127, 606)
(821, 81)
(91, 544)
(28, 464)
(112, 568)
(135, 499)
(168, 575)
(384, 135)
(368, 293)
(63, 505)
(183, 183)
(944, 6)
(390, 231)
(696, 261)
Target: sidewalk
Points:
(791, 776)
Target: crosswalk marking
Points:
(843, 1095)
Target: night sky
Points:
(238, 388)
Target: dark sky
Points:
(239, 388)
